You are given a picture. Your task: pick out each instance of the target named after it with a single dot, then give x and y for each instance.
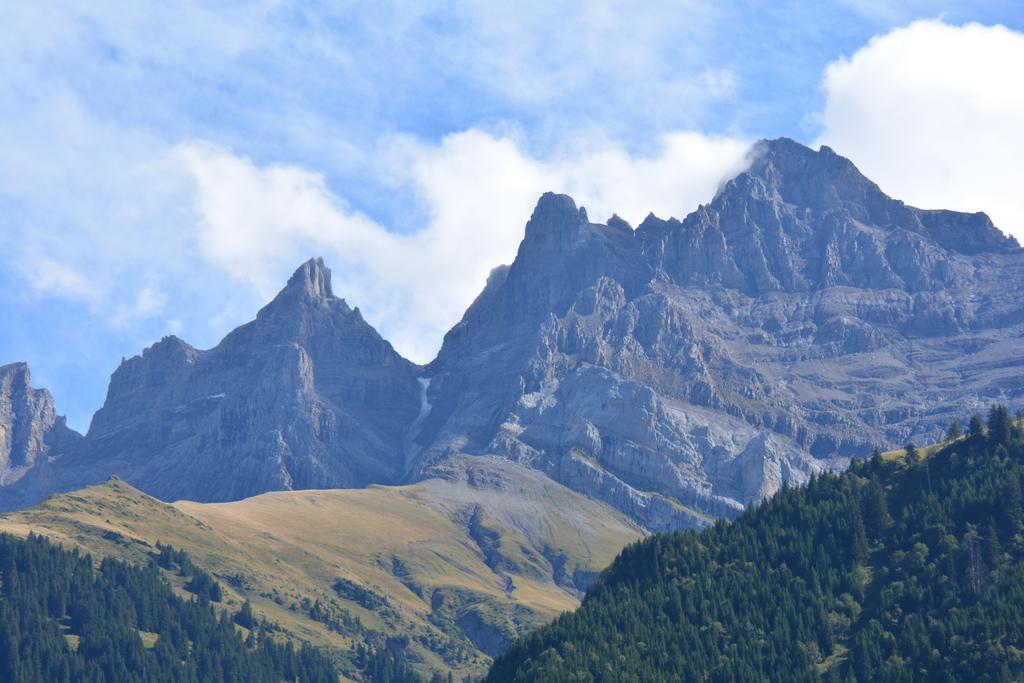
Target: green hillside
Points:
(902, 569)
(440, 574)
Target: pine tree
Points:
(992, 549)
(876, 508)
(976, 428)
(244, 618)
(999, 424)
(954, 431)
(1012, 505)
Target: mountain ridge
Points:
(678, 371)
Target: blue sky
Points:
(166, 165)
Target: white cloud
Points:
(720, 83)
(933, 113)
(478, 190)
(47, 276)
(149, 302)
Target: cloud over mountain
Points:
(933, 113)
(255, 221)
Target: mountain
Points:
(686, 368)
(306, 396)
(900, 569)
(678, 371)
(444, 573)
(29, 425)
(62, 619)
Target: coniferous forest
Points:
(63, 620)
(905, 568)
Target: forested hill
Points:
(904, 568)
(62, 620)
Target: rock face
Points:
(684, 369)
(308, 395)
(677, 371)
(30, 428)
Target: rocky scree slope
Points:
(677, 371)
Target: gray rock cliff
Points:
(30, 429)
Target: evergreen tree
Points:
(245, 618)
(876, 508)
(999, 424)
(954, 432)
(975, 428)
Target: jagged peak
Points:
(556, 214)
(309, 284)
(620, 223)
(18, 369)
(805, 176)
(782, 149)
(312, 278)
(170, 344)
(822, 180)
(554, 202)
(169, 349)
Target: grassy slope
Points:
(463, 565)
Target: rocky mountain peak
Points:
(29, 424)
(556, 225)
(691, 366)
(308, 288)
(172, 346)
(16, 375)
(802, 220)
(312, 279)
(308, 395)
(818, 180)
(826, 182)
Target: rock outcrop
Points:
(30, 429)
(677, 371)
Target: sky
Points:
(165, 166)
